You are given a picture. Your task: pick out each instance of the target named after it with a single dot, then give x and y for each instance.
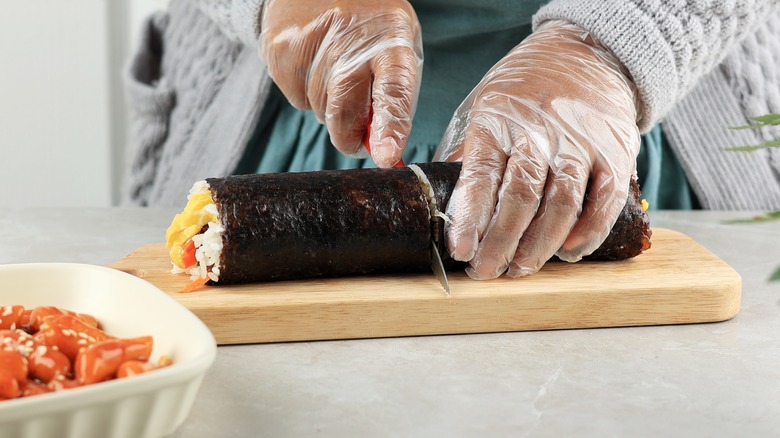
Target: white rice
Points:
(208, 249)
(199, 187)
(429, 193)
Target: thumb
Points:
(394, 94)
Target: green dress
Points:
(462, 40)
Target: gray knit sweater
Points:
(196, 88)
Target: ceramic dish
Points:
(152, 404)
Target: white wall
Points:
(62, 117)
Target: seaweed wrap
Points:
(325, 223)
(264, 227)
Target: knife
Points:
(436, 263)
(438, 268)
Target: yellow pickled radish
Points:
(187, 224)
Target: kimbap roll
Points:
(264, 227)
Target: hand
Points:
(336, 57)
(553, 120)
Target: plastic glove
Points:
(336, 57)
(554, 118)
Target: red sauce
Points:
(47, 349)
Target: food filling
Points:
(430, 196)
(194, 238)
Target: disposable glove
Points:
(552, 120)
(337, 57)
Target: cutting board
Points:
(677, 281)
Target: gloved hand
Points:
(336, 57)
(554, 118)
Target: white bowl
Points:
(153, 404)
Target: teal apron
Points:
(462, 40)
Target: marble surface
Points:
(720, 379)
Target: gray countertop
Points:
(720, 379)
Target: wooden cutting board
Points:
(677, 281)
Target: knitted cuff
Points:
(634, 37)
(245, 18)
(239, 20)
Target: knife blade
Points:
(438, 268)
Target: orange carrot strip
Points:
(188, 254)
(194, 285)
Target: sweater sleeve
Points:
(239, 20)
(665, 45)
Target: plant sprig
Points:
(760, 122)
(775, 275)
(771, 216)
(751, 148)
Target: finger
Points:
(325, 68)
(394, 94)
(289, 54)
(518, 200)
(346, 114)
(451, 146)
(293, 51)
(558, 212)
(605, 200)
(290, 80)
(474, 198)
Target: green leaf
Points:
(769, 119)
(743, 127)
(761, 122)
(775, 275)
(771, 216)
(765, 145)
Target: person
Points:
(542, 102)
